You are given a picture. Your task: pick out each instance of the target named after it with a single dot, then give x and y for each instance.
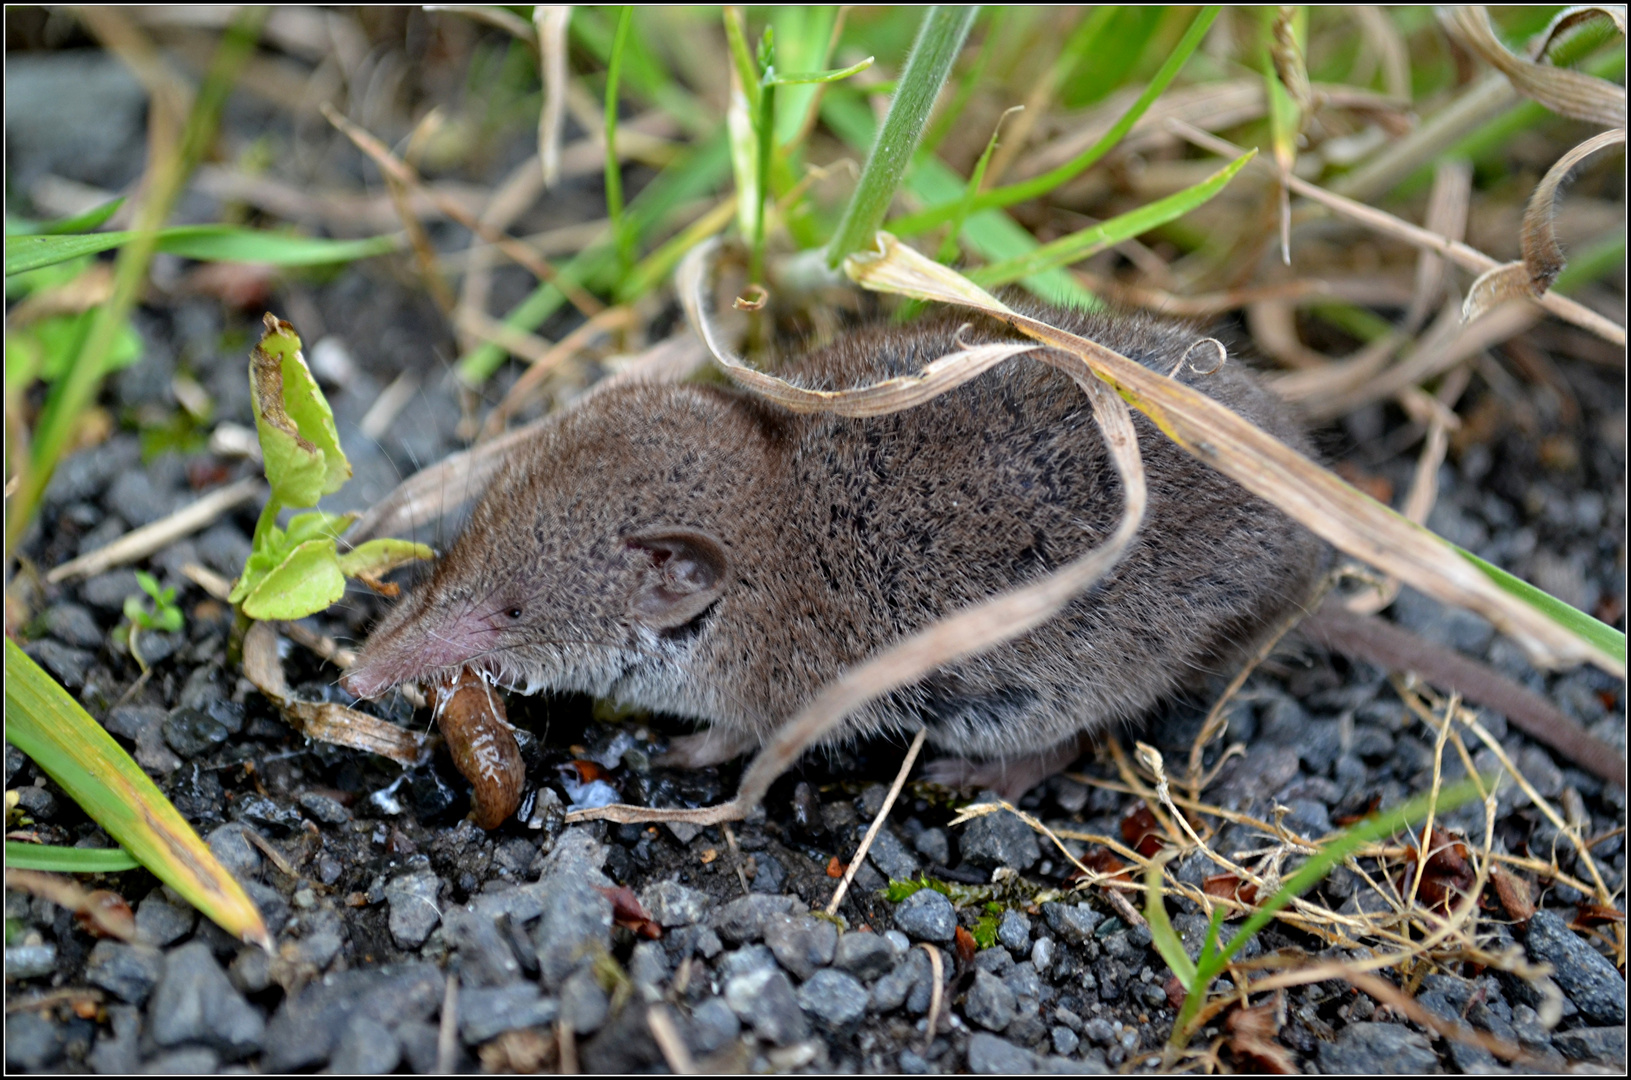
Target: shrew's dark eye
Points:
(514, 613)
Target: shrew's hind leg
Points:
(709, 747)
(1011, 777)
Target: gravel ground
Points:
(393, 892)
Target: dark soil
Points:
(393, 891)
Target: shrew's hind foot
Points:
(1010, 778)
(705, 748)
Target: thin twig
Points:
(668, 1040)
(878, 819)
(937, 991)
(142, 542)
(447, 1042)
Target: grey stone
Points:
(325, 809)
(576, 919)
(998, 962)
(224, 548)
(801, 943)
(414, 912)
(1369, 1048)
(1075, 923)
(672, 904)
(934, 845)
(712, 1026)
(319, 936)
(1601, 1044)
(485, 956)
(117, 1052)
(899, 940)
(1584, 974)
(128, 721)
(746, 960)
(308, 1025)
(584, 1005)
(140, 498)
(251, 970)
(1023, 980)
(32, 1041)
(161, 920)
(908, 984)
(1065, 1041)
(624, 1045)
(1308, 818)
(769, 875)
(491, 1011)
(1192, 930)
(72, 624)
(366, 1047)
(68, 665)
(1043, 953)
(1000, 839)
(765, 1000)
(229, 844)
(892, 857)
(866, 956)
(108, 591)
(648, 969)
(78, 114)
(188, 1061)
(1014, 931)
(128, 972)
(195, 1003)
(266, 814)
(30, 961)
(834, 998)
(989, 1055)
(927, 916)
(417, 1041)
(744, 918)
(1099, 1030)
(990, 1003)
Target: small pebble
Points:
(834, 998)
(927, 915)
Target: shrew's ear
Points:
(684, 571)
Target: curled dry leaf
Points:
(1448, 873)
(482, 743)
(1513, 892)
(965, 945)
(1542, 255)
(1571, 18)
(1141, 830)
(1564, 91)
(1251, 1035)
(325, 721)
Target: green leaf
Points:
(149, 584)
(1571, 618)
(305, 582)
(48, 725)
(79, 223)
(209, 243)
(1080, 245)
(985, 931)
(68, 860)
(299, 444)
(57, 340)
(316, 525)
(379, 557)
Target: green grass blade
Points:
(1110, 57)
(614, 171)
(1571, 618)
(68, 860)
(938, 42)
(48, 725)
(1038, 186)
(79, 223)
(208, 243)
(1162, 935)
(991, 234)
(1080, 245)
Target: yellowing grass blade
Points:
(51, 728)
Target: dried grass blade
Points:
(1542, 255)
(1571, 18)
(550, 22)
(1333, 510)
(1563, 90)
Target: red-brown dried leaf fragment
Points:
(1513, 892)
(1596, 914)
(965, 945)
(105, 914)
(835, 869)
(1448, 873)
(627, 912)
(1230, 887)
(1141, 830)
(1175, 992)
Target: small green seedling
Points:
(298, 571)
(165, 616)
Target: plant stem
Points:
(614, 174)
(939, 40)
